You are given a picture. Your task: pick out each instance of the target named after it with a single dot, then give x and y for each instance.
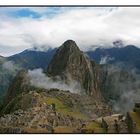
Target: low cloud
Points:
(105, 59)
(39, 79)
(9, 66)
(126, 101)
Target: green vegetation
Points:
(64, 129)
(22, 101)
(94, 127)
(60, 107)
(9, 107)
(35, 131)
(136, 119)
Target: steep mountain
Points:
(19, 84)
(7, 73)
(71, 64)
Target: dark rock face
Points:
(18, 85)
(65, 55)
(71, 64)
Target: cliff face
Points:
(71, 64)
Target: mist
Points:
(9, 66)
(39, 79)
(126, 85)
(105, 59)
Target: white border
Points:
(69, 137)
(70, 2)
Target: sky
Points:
(27, 27)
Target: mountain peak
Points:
(65, 55)
(69, 42)
(70, 64)
(69, 45)
(118, 43)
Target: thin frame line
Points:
(69, 5)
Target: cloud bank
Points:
(39, 79)
(87, 26)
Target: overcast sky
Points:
(22, 28)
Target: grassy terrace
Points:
(66, 110)
(94, 127)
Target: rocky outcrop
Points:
(71, 64)
(19, 84)
(37, 118)
(46, 110)
(36, 111)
